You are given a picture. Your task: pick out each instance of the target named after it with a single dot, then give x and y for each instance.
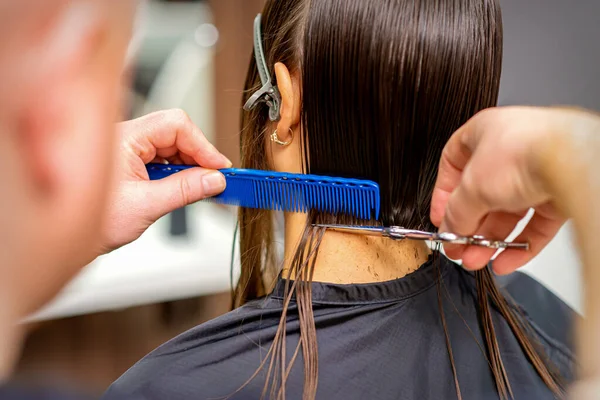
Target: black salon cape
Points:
(10, 392)
(22, 391)
(376, 341)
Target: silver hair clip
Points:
(268, 93)
(399, 233)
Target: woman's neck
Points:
(350, 258)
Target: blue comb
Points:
(289, 192)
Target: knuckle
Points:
(450, 216)
(180, 117)
(175, 117)
(487, 199)
(185, 192)
(470, 184)
(486, 113)
(446, 156)
(477, 190)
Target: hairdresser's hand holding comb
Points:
(495, 168)
(137, 202)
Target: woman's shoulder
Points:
(165, 372)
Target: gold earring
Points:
(275, 138)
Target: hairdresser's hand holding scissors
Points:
(491, 173)
(505, 160)
(137, 202)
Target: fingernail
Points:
(450, 247)
(472, 268)
(213, 183)
(443, 227)
(228, 162)
(462, 264)
(469, 269)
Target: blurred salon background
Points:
(193, 55)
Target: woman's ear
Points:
(287, 157)
(289, 89)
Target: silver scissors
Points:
(399, 233)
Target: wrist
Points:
(585, 390)
(561, 158)
(569, 166)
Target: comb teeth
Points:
(290, 192)
(300, 193)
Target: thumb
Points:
(464, 213)
(181, 189)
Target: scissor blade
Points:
(364, 230)
(398, 233)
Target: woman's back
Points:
(368, 89)
(377, 341)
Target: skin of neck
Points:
(347, 258)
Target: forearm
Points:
(569, 165)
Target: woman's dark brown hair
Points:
(384, 85)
